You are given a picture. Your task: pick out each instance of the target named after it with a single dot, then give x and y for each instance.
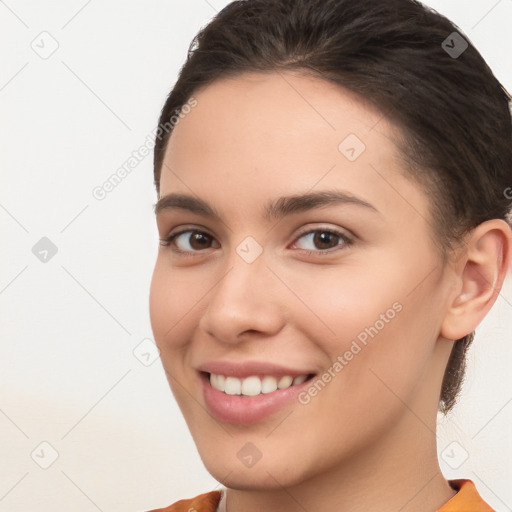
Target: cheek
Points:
(370, 325)
(347, 301)
(160, 303)
(172, 302)
(173, 299)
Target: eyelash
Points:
(347, 241)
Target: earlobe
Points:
(481, 269)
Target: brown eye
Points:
(321, 240)
(189, 241)
(199, 240)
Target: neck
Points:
(400, 474)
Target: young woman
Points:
(332, 183)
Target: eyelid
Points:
(347, 238)
(187, 227)
(168, 239)
(342, 232)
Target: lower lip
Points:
(242, 409)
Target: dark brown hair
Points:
(453, 114)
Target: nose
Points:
(243, 303)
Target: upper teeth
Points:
(252, 386)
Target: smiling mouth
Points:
(254, 385)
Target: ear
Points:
(480, 270)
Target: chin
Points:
(269, 474)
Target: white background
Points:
(68, 374)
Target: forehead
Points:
(264, 134)
(281, 109)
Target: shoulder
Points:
(466, 499)
(206, 502)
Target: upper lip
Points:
(242, 369)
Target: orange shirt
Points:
(467, 499)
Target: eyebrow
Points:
(275, 209)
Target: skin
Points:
(367, 440)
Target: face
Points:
(295, 246)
